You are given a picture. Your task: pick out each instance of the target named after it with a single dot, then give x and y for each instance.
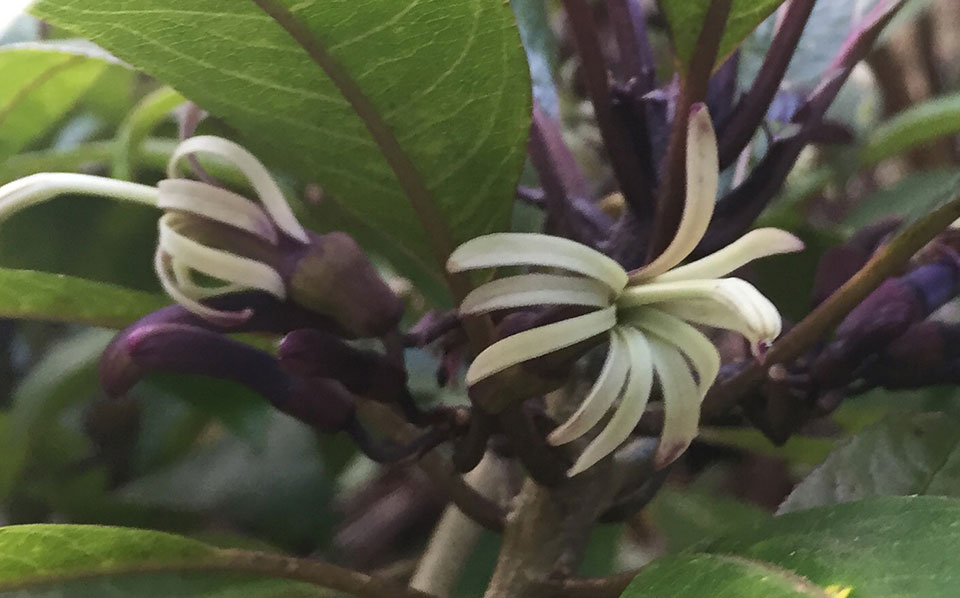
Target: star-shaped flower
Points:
(647, 314)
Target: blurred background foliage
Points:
(207, 459)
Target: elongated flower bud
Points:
(177, 348)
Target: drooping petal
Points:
(38, 188)
(536, 289)
(681, 403)
(740, 306)
(163, 264)
(219, 264)
(716, 314)
(697, 347)
(186, 283)
(702, 182)
(219, 205)
(538, 342)
(602, 395)
(756, 244)
(631, 407)
(531, 249)
(256, 173)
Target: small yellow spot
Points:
(837, 591)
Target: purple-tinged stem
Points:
(623, 155)
(570, 210)
(738, 210)
(693, 89)
(735, 133)
(636, 57)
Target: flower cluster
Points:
(236, 265)
(647, 315)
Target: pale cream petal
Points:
(701, 195)
(230, 268)
(538, 342)
(536, 289)
(690, 341)
(188, 286)
(256, 173)
(216, 204)
(737, 305)
(681, 403)
(532, 249)
(716, 314)
(756, 244)
(38, 188)
(632, 405)
(604, 393)
(163, 263)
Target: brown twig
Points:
(886, 262)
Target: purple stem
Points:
(629, 23)
(736, 132)
(623, 155)
(570, 210)
(740, 208)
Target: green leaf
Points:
(64, 377)
(891, 547)
(911, 197)
(718, 576)
(78, 560)
(29, 295)
(254, 488)
(686, 516)
(444, 84)
(42, 82)
(533, 19)
(906, 454)
(686, 19)
(145, 117)
(913, 127)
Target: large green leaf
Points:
(41, 83)
(29, 295)
(902, 455)
(76, 560)
(443, 83)
(910, 197)
(913, 127)
(686, 19)
(893, 547)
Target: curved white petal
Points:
(538, 342)
(532, 249)
(38, 188)
(690, 341)
(256, 173)
(536, 289)
(604, 393)
(163, 263)
(216, 204)
(701, 196)
(185, 282)
(756, 244)
(681, 403)
(740, 304)
(632, 405)
(230, 268)
(716, 314)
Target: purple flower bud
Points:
(315, 354)
(332, 276)
(186, 349)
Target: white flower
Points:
(190, 204)
(646, 313)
